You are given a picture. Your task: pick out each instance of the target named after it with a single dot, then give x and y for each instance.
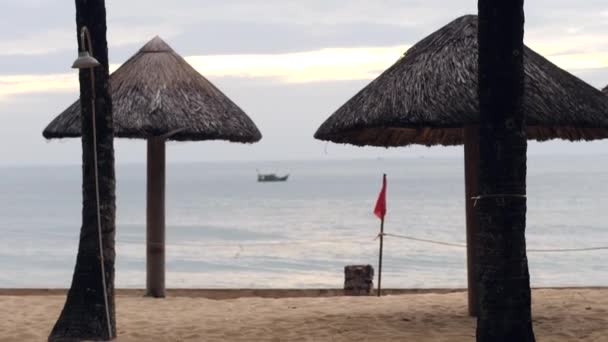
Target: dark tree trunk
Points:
(84, 315)
(504, 281)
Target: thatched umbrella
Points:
(429, 97)
(158, 96)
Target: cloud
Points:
(355, 63)
(200, 27)
(323, 65)
(309, 12)
(581, 61)
(24, 84)
(39, 43)
(332, 64)
(122, 35)
(289, 50)
(55, 40)
(551, 43)
(279, 41)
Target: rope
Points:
(101, 258)
(273, 243)
(364, 242)
(601, 248)
(427, 241)
(554, 250)
(501, 196)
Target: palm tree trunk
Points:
(504, 281)
(88, 310)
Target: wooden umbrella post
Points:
(471, 169)
(155, 219)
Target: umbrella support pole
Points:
(155, 219)
(471, 167)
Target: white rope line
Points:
(426, 240)
(364, 242)
(272, 243)
(553, 250)
(589, 249)
(85, 31)
(101, 258)
(501, 196)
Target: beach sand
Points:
(559, 315)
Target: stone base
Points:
(358, 280)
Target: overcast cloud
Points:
(288, 64)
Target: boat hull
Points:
(272, 178)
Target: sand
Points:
(559, 315)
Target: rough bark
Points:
(504, 281)
(84, 314)
(471, 181)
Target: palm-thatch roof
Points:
(430, 94)
(605, 91)
(157, 92)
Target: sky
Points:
(288, 64)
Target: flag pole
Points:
(380, 212)
(380, 257)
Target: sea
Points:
(226, 230)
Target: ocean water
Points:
(226, 230)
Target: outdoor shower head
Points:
(85, 59)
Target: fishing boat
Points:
(271, 177)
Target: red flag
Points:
(380, 209)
